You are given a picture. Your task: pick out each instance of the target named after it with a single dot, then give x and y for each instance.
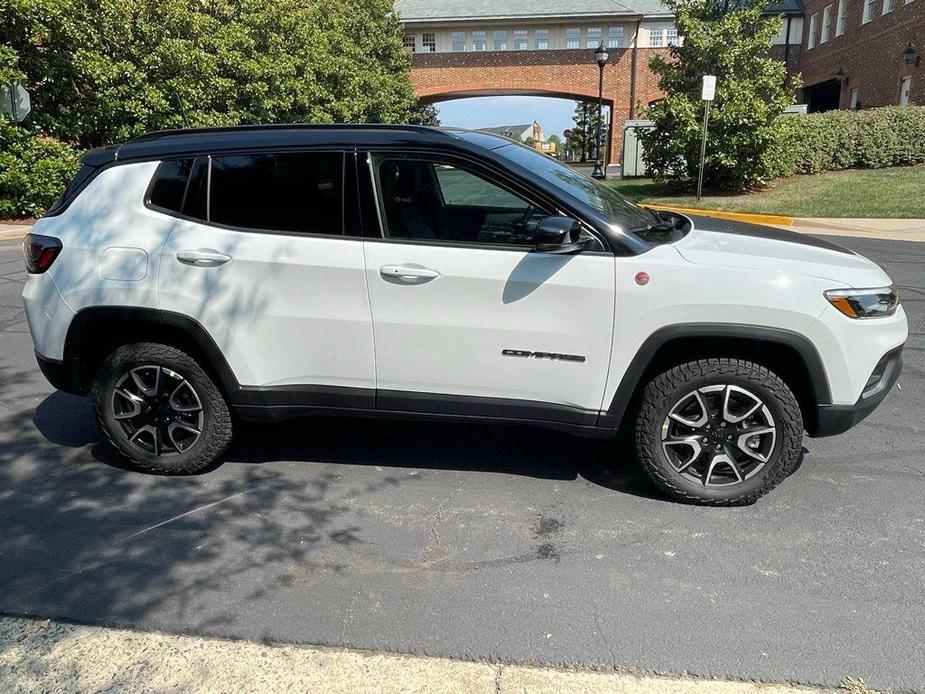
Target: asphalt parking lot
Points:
(477, 542)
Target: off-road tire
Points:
(217, 427)
(663, 391)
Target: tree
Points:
(101, 71)
(584, 133)
(731, 40)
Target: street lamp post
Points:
(601, 56)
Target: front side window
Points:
(288, 191)
(541, 39)
(594, 37)
(520, 39)
(459, 41)
(169, 185)
(479, 41)
(573, 37)
(435, 200)
(500, 40)
(614, 37)
(428, 42)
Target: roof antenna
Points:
(182, 109)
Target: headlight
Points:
(864, 303)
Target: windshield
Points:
(613, 206)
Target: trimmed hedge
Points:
(34, 169)
(834, 140)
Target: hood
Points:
(728, 243)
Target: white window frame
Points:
(594, 36)
(887, 7)
(429, 42)
(479, 37)
(868, 13)
(811, 33)
(409, 41)
(520, 40)
(573, 37)
(671, 37)
(614, 37)
(541, 39)
(656, 37)
(902, 83)
(826, 24)
(854, 100)
(841, 18)
(458, 41)
(499, 40)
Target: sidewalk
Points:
(53, 656)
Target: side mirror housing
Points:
(559, 234)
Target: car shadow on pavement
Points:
(68, 420)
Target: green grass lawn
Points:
(896, 192)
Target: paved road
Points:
(477, 542)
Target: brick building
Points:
(862, 53)
(851, 53)
(465, 48)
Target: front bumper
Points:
(831, 420)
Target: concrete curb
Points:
(13, 231)
(56, 656)
(777, 220)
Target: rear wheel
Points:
(160, 409)
(718, 431)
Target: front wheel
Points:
(720, 432)
(160, 409)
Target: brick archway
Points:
(570, 74)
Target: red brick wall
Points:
(566, 73)
(869, 53)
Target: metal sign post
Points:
(707, 93)
(15, 101)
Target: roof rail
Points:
(156, 134)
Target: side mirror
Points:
(559, 234)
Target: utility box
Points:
(634, 156)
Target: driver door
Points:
(467, 317)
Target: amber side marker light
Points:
(864, 303)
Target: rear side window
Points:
(169, 185)
(291, 191)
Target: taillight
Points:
(40, 252)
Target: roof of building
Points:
(508, 130)
(459, 10)
(785, 7)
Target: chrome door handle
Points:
(408, 272)
(203, 257)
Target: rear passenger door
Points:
(264, 259)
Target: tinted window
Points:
(432, 200)
(195, 203)
(170, 184)
(299, 191)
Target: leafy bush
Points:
(835, 140)
(731, 41)
(34, 169)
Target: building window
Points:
(905, 87)
(855, 101)
(671, 36)
(887, 6)
(811, 35)
(408, 42)
(826, 23)
(594, 37)
(428, 42)
(459, 41)
(614, 37)
(479, 41)
(520, 39)
(573, 37)
(499, 40)
(842, 17)
(868, 11)
(541, 39)
(656, 37)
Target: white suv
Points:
(186, 279)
